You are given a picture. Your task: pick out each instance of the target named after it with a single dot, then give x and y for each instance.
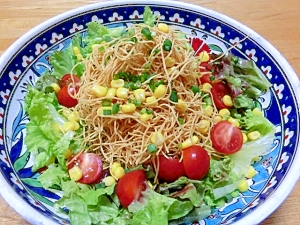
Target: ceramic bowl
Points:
(27, 59)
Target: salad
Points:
(132, 127)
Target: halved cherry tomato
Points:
(170, 169)
(68, 79)
(64, 97)
(130, 186)
(196, 162)
(226, 138)
(90, 165)
(218, 91)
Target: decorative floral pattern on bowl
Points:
(208, 30)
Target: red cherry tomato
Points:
(69, 79)
(218, 91)
(91, 166)
(226, 138)
(65, 98)
(205, 79)
(196, 162)
(130, 186)
(170, 169)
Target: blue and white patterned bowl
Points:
(27, 58)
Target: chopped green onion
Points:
(195, 89)
(152, 148)
(106, 112)
(151, 85)
(137, 102)
(174, 96)
(159, 83)
(147, 33)
(181, 121)
(115, 108)
(106, 102)
(212, 78)
(167, 45)
(207, 100)
(143, 111)
(100, 185)
(149, 111)
(134, 39)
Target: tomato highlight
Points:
(130, 186)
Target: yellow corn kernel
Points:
(76, 51)
(114, 166)
(140, 94)
(128, 108)
(56, 127)
(189, 142)
(257, 111)
(217, 119)
(117, 83)
(101, 109)
(111, 92)
(149, 184)
(68, 126)
(234, 122)
(206, 87)
(66, 112)
(145, 117)
(203, 126)
(163, 27)
(109, 181)
(99, 91)
(245, 138)
(50, 161)
(160, 91)
(182, 105)
(74, 116)
(203, 56)
(94, 46)
(208, 111)
(255, 159)
(119, 172)
(68, 153)
(75, 173)
(195, 139)
(224, 113)
(251, 172)
(55, 87)
(227, 100)
(170, 62)
(122, 92)
(157, 138)
(76, 125)
(151, 101)
(79, 57)
(243, 186)
(254, 135)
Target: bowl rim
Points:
(255, 217)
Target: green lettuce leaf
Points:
(149, 17)
(156, 207)
(243, 159)
(253, 122)
(54, 175)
